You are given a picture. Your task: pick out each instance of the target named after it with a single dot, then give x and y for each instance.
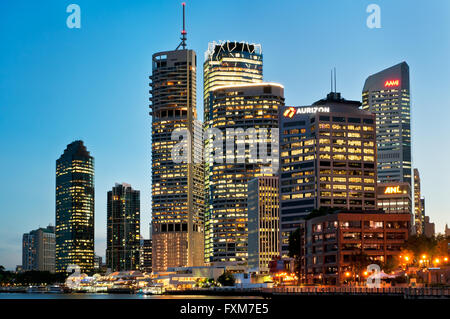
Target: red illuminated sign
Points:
(289, 112)
(390, 83)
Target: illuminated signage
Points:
(313, 109)
(392, 190)
(390, 83)
(291, 111)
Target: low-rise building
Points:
(338, 244)
(206, 276)
(437, 275)
(187, 277)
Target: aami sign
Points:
(391, 83)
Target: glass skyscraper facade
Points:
(123, 228)
(75, 208)
(177, 187)
(387, 95)
(238, 109)
(226, 63)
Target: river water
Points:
(112, 296)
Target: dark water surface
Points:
(112, 296)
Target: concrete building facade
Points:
(38, 250)
(263, 223)
(226, 63)
(395, 198)
(177, 186)
(337, 244)
(419, 210)
(327, 160)
(246, 116)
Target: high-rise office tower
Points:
(263, 222)
(38, 250)
(226, 63)
(422, 213)
(75, 208)
(177, 186)
(230, 63)
(28, 252)
(418, 211)
(123, 228)
(327, 159)
(387, 95)
(242, 115)
(145, 256)
(98, 263)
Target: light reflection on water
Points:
(113, 296)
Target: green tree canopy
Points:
(226, 279)
(420, 244)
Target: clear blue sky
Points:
(59, 84)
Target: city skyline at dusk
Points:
(59, 85)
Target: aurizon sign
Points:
(291, 111)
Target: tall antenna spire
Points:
(331, 80)
(335, 80)
(183, 32)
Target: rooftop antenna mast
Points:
(183, 32)
(335, 80)
(331, 80)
